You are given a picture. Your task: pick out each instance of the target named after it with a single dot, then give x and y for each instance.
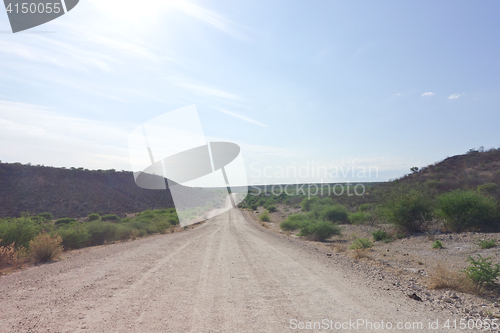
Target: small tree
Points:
(93, 217)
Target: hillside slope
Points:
(73, 192)
(467, 171)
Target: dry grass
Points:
(440, 277)
(21, 256)
(134, 234)
(7, 255)
(359, 254)
(46, 248)
(443, 278)
(340, 248)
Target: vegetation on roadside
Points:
(437, 244)
(39, 239)
(319, 230)
(487, 244)
(381, 235)
(459, 194)
(482, 271)
(45, 247)
(264, 217)
(462, 209)
(361, 243)
(481, 275)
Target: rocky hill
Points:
(475, 170)
(73, 192)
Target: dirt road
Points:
(227, 275)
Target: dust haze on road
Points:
(227, 275)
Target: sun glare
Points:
(132, 10)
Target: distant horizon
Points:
(340, 181)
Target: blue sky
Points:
(352, 84)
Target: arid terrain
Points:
(227, 275)
(408, 263)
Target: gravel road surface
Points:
(227, 275)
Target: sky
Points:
(301, 86)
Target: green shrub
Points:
(110, 217)
(142, 233)
(101, 232)
(288, 225)
(269, 202)
(124, 232)
(464, 209)
(74, 236)
(46, 216)
(409, 211)
(294, 222)
(437, 244)
(326, 202)
(381, 235)
(254, 206)
(160, 225)
(264, 216)
(361, 243)
(359, 217)
(307, 204)
(319, 230)
(487, 244)
(173, 220)
(489, 188)
(64, 220)
(432, 183)
(335, 213)
(272, 209)
(19, 231)
(93, 217)
(482, 271)
(365, 207)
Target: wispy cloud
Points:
(98, 90)
(429, 93)
(33, 133)
(241, 117)
(205, 90)
(454, 96)
(55, 53)
(214, 19)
